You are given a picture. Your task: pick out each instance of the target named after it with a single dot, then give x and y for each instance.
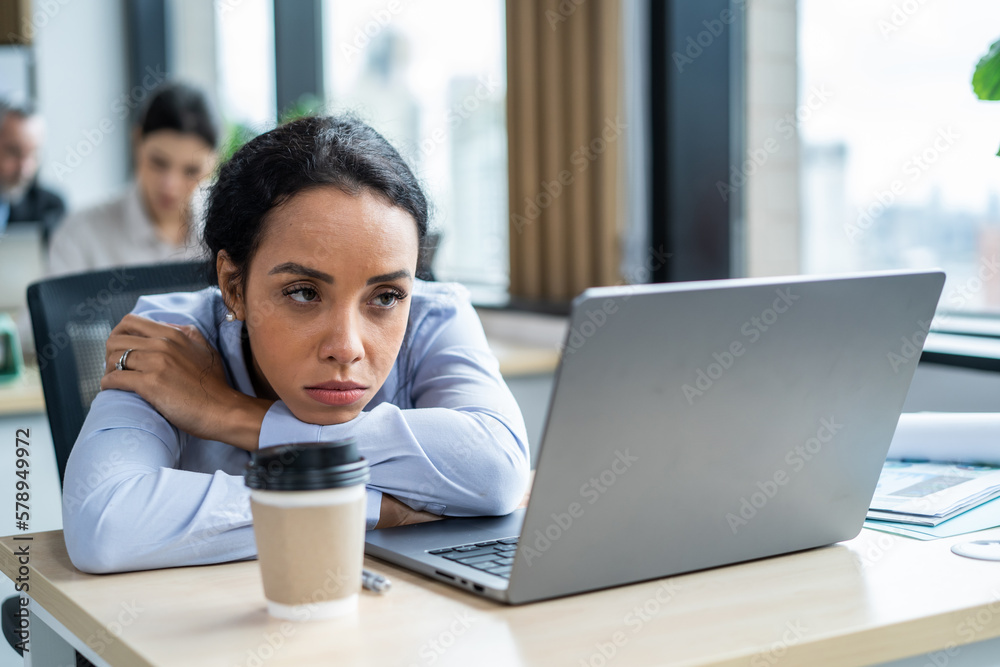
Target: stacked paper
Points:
(939, 466)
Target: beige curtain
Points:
(564, 137)
(15, 27)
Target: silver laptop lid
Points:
(700, 424)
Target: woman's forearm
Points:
(439, 460)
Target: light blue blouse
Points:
(443, 434)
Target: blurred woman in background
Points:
(159, 218)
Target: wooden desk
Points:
(520, 359)
(872, 599)
(22, 395)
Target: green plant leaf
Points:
(234, 136)
(307, 105)
(986, 78)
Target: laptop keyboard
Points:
(493, 556)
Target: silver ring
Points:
(121, 362)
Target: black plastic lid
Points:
(306, 466)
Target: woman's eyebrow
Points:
(386, 277)
(298, 269)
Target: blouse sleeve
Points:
(127, 506)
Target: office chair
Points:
(71, 318)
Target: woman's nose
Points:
(342, 340)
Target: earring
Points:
(230, 315)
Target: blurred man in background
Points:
(22, 199)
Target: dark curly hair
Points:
(270, 169)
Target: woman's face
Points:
(169, 166)
(326, 299)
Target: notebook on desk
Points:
(694, 425)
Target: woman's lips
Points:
(337, 393)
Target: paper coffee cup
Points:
(308, 503)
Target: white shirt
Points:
(119, 233)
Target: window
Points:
(899, 158)
(245, 46)
(436, 90)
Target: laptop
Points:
(694, 425)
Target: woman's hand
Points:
(394, 513)
(177, 372)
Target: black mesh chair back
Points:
(71, 318)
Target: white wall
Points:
(14, 74)
(81, 73)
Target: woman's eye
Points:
(387, 299)
(301, 294)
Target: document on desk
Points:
(947, 436)
(927, 494)
(979, 518)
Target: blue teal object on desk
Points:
(979, 518)
(11, 361)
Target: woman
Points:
(158, 218)
(319, 330)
